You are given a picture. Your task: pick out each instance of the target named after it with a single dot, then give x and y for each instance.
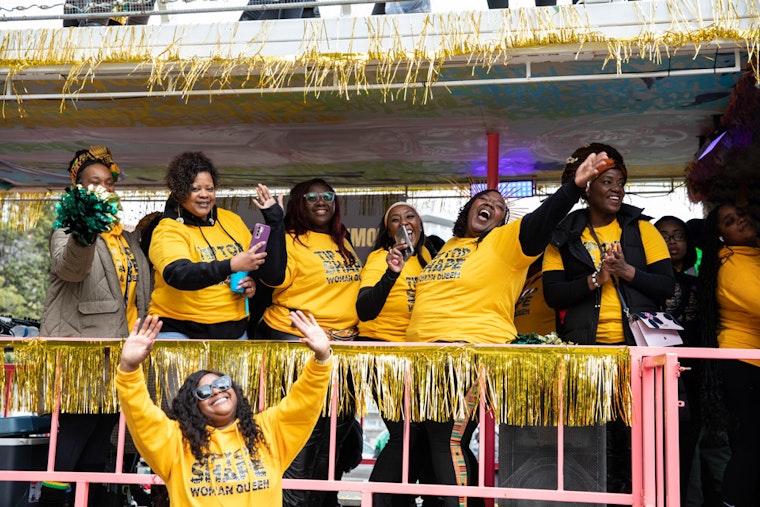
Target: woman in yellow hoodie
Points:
(213, 450)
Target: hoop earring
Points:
(720, 238)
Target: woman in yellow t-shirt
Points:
(594, 252)
(384, 306)
(730, 274)
(593, 249)
(320, 276)
(468, 294)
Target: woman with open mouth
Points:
(468, 294)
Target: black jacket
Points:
(568, 289)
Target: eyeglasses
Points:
(313, 197)
(205, 391)
(678, 236)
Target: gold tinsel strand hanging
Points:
(387, 61)
(21, 211)
(524, 384)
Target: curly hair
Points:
(582, 153)
(385, 242)
(460, 226)
(690, 258)
(296, 221)
(182, 170)
(194, 425)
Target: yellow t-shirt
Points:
(173, 241)
(610, 327)
(468, 292)
(126, 269)
(392, 321)
(318, 281)
(738, 282)
(532, 314)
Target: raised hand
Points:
(313, 336)
(589, 168)
(265, 199)
(139, 343)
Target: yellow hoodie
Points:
(228, 476)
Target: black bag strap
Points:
(626, 310)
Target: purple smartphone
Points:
(260, 235)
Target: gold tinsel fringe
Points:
(387, 61)
(22, 210)
(531, 385)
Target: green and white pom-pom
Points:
(538, 339)
(85, 213)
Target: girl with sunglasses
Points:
(211, 449)
(320, 276)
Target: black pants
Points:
(741, 480)
(84, 445)
(444, 441)
(313, 460)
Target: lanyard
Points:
(626, 310)
(131, 269)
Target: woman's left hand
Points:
(248, 285)
(614, 263)
(313, 336)
(264, 199)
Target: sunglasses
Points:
(205, 391)
(313, 197)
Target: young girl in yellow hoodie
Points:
(213, 450)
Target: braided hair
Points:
(460, 226)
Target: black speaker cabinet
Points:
(528, 459)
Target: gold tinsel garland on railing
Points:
(524, 384)
(387, 59)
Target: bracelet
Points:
(594, 280)
(325, 361)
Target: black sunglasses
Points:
(313, 197)
(205, 391)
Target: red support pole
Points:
(492, 167)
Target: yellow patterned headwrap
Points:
(96, 153)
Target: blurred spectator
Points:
(295, 13)
(85, 7)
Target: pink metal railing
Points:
(654, 442)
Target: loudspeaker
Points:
(528, 459)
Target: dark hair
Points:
(582, 153)
(709, 321)
(194, 425)
(690, 258)
(460, 226)
(182, 170)
(385, 242)
(296, 221)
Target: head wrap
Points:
(395, 204)
(96, 154)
